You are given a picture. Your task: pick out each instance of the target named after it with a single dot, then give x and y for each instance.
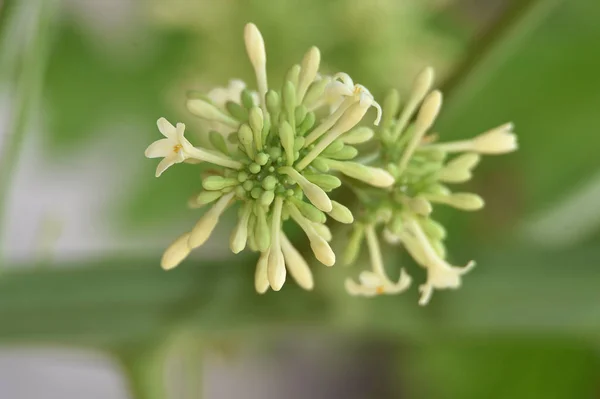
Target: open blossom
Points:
(421, 172)
(279, 171)
(174, 148)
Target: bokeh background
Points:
(86, 311)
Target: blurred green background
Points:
(84, 221)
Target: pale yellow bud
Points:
(176, 252)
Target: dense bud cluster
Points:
(275, 158)
(278, 153)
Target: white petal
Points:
(165, 164)
(369, 279)
(160, 148)
(165, 127)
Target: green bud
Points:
(419, 205)
(326, 182)
(300, 114)
(309, 211)
(205, 197)
(242, 176)
(274, 152)
(247, 99)
(299, 143)
(256, 124)
(315, 91)
(465, 201)
(289, 101)
(214, 183)
(251, 232)
(286, 135)
(246, 138)
(256, 192)
(262, 232)
(269, 182)
(433, 229)
(438, 189)
(254, 168)
(354, 243)
(293, 74)
(334, 147)
(307, 124)
(218, 141)
(248, 185)
(206, 110)
(266, 128)
(320, 164)
(273, 102)
(346, 153)
(237, 111)
(261, 158)
(267, 197)
(341, 213)
(358, 135)
(391, 105)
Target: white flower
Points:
(440, 274)
(339, 91)
(375, 281)
(174, 148)
(372, 284)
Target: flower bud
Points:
(358, 135)
(296, 264)
(374, 176)
(340, 213)
(208, 111)
(496, 141)
(326, 182)
(286, 135)
(261, 281)
(239, 236)
(310, 67)
(176, 252)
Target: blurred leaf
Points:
(542, 77)
(504, 368)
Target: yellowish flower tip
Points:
(255, 46)
(309, 72)
(176, 252)
(429, 111)
(500, 140)
(296, 264)
(261, 280)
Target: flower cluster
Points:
(274, 155)
(278, 152)
(422, 172)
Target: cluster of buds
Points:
(277, 153)
(274, 155)
(422, 172)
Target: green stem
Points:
(144, 370)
